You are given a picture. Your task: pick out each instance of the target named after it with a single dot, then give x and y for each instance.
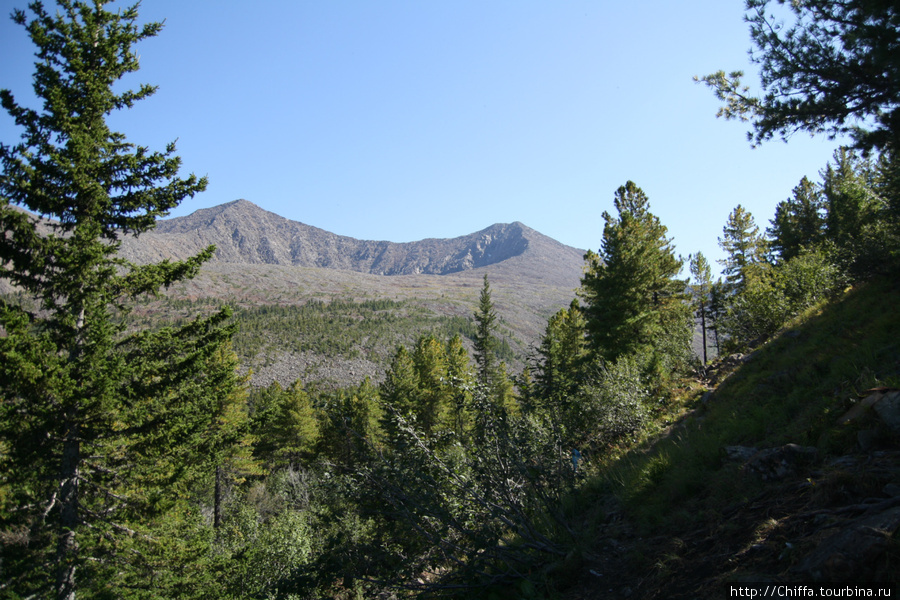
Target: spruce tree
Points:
(98, 425)
(632, 297)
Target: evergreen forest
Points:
(136, 460)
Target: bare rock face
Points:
(244, 233)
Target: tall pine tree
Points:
(489, 370)
(97, 425)
(702, 287)
(632, 297)
(745, 247)
(485, 339)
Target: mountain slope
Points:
(782, 473)
(263, 259)
(244, 233)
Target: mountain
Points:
(273, 270)
(243, 233)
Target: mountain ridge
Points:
(245, 233)
(263, 259)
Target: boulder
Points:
(888, 409)
(773, 463)
(886, 404)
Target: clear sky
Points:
(402, 120)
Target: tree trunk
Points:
(67, 544)
(703, 329)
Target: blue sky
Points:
(401, 120)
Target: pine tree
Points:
(745, 249)
(462, 379)
(562, 353)
(98, 425)
(702, 287)
(798, 222)
(485, 338)
(825, 66)
(632, 299)
(856, 219)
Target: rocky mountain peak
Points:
(245, 233)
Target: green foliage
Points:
(829, 68)
(101, 429)
(717, 308)
(434, 391)
(461, 378)
(488, 368)
(856, 223)
(807, 279)
(633, 301)
(264, 552)
(350, 426)
(562, 356)
(777, 295)
(430, 388)
(798, 223)
(284, 425)
(485, 335)
(754, 313)
(486, 509)
(745, 249)
(611, 405)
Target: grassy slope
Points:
(670, 517)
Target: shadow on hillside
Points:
(686, 512)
